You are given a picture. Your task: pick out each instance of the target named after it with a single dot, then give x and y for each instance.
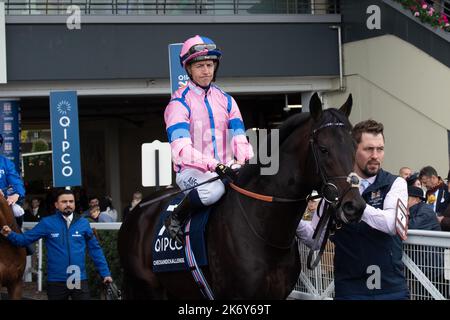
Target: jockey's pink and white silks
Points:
(205, 129)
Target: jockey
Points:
(11, 186)
(205, 131)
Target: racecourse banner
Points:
(178, 76)
(65, 139)
(10, 129)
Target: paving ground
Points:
(29, 292)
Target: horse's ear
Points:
(315, 107)
(347, 106)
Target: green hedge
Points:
(108, 242)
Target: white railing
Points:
(426, 255)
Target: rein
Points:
(265, 198)
(329, 193)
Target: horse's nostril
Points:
(348, 208)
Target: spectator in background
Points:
(405, 172)
(137, 197)
(444, 219)
(93, 202)
(421, 215)
(35, 212)
(312, 203)
(106, 206)
(66, 237)
(448, 181)
(413, 180)
(96, 216)
(437, 192)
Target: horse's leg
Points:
(15, 291)
(137, 289)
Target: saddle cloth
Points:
(167, 254)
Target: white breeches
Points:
(208, 193)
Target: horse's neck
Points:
(6, 215)
(289, 181)
(275, 221)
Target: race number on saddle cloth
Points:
(167, 254)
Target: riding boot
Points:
(176, 219)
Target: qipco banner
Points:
(178, 76)
(65, 139)
(10, 129)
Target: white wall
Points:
(408, 91)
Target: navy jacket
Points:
(65, 246)
(10, 178)
(443, 199)
(422, 216)
(359, 246)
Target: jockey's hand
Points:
(6, 231)
(235, 165)
(12, 199)
(225, 172)
(107, 280)
(1, 193)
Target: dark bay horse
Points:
(12, 259)
(251, 249)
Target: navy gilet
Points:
(358, 246)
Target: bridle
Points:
(329, 193)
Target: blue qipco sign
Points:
(65, 139)
(178, 76)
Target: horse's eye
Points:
(323, 150)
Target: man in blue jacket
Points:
(66, 236)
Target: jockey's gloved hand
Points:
(225, 173)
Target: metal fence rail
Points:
(172, 7)
(426, 255)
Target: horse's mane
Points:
(285, 129)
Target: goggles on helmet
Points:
(199, 48)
